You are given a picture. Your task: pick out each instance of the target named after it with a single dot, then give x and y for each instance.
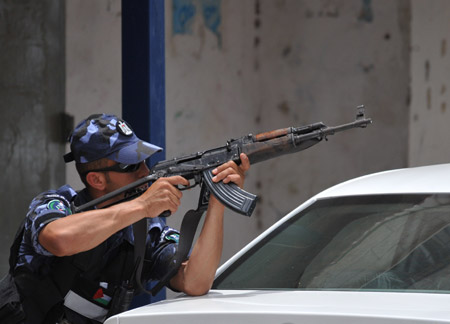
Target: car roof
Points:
(424, 179)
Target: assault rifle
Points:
(197, 168)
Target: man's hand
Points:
(231, 172)
(163, 195)
(196, 275)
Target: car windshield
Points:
(383, 242)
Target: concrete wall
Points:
(93, 55)
(31, 106)
(430, 82)
(253, 66)
(235, 67)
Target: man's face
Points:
(117, 180)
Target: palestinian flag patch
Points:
(101, 298)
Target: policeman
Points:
(70, 266)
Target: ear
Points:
(96, 180)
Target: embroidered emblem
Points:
(174, 237)
(124, 129)
(56, 204)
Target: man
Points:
(70, 266)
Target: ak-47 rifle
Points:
(197, 168)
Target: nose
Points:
(143, 170)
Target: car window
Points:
(383, 242)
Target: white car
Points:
(375, 249)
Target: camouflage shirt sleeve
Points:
(45, 208)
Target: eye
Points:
(130, 167)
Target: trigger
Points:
(183, 187)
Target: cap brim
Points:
(134, 153)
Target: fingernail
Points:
(214, 171)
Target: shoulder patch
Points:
(174, 237)
(56, 204)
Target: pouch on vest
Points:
(11, 311)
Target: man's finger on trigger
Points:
(178, 180)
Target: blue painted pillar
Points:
(143, 80)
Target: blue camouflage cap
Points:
(107, 136)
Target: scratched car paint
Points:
(375, 249)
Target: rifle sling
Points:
(187, 232)
(140, 229)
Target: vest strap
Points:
(84, 307)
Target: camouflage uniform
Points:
(99, 136)
(55, 204)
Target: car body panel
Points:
(274, 306)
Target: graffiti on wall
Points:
(184, 13)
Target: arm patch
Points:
(169, 235)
